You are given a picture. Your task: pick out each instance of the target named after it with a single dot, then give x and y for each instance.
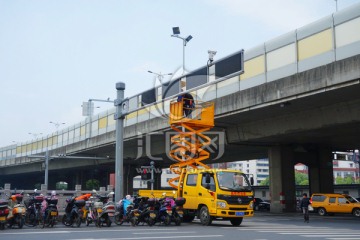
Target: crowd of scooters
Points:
(42, 211)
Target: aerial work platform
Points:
(189, 145)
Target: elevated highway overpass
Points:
(297, 101)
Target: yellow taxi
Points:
(331, 203)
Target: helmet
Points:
(53, 193)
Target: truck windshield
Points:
(233, 181)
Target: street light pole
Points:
(160, 76)
(176, 32)
(57, 124)
(121, 111)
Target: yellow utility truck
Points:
(210, 193)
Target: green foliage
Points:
(92, 184)
(300, 179)
(346, 180)
(265, 182)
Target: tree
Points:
(346, 180)
(92, 184)
(300, 179)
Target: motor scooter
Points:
(125, 212)
(17, 211)
(163, 211)
(73, 212)
(107, 212)
(33, 215)
(4, 212)
(51, 211)
(177, 210)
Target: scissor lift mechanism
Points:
(188, 146)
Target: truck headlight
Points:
(221, 204)
(251, 205)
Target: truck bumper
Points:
(233, 213)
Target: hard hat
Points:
(53, 193)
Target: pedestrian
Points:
(304, 205)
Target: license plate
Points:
(180, 212)
(152, 215)
(239, 213)
(99, 210)
(136, 214)
(169, 212)
(111, 214)
(2, 218)
(53, 213)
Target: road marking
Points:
(163, 232)
(97, 230)
(343, 238)
(162, 237)
(333, 235)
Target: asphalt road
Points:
(261, 227)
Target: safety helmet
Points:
(53, 193)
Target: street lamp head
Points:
(188, 38)
(176, 30)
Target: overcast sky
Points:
(56, 54)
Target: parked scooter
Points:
(102, 211)
(108, 211)
(163, 211)
(4, 212)
(143, 213)
(125, 211)
(17, 211)
(73, 212)
(34, 216)
(177, 210)
(50, 210)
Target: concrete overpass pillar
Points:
(321, 176)
(282, 179)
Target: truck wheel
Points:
(205, 217)
(322, 211)
(236, 221)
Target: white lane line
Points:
(96, 230)
(286, 231)
(343, 238)
(162, 237)
(317, 233)
(335, 235)
(162, 232)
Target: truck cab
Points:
(216, 194)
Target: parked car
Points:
(331, 203)
(260, 204)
